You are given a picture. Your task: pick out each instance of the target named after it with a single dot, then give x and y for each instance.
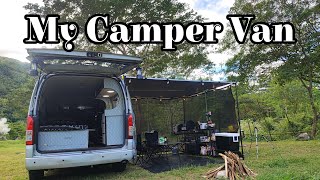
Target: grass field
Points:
(277, 160)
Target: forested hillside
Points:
(13, 73)
(15, 91)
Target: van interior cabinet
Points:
(103, 129)
(115, 134)
(114, 113)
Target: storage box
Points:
(204, 139)
(63, 140)
(227, 142)
(192, 148)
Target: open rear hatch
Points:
(78, 109)
(55, 60)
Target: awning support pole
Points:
(239, 123)
(148, 115)
(184, 111)
(205, 97)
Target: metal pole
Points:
(251, 135)
(184, 110)
(205, 97)
(256, 134)
(239, 123)
(148, 115)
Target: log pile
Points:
(232, 169)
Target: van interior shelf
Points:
(63, 128)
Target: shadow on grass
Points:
(168, 163)
(155, 166)
(80, 172)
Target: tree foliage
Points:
(297, 58)
(12, 74)
(15, 89)
(17, 130)
(188, 56)
(297, 61)
(279, 109)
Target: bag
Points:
(203, 150)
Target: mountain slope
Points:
(15, 89)
(13, 73)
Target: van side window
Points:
(110, 97)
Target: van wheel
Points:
(119, 167)
(35, 175)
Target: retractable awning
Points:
(170, 88)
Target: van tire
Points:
(35, 175)
(119, 167)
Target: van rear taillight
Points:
(29, 131)
(130, 127)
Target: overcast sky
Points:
(13, 27)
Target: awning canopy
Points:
(170, 88)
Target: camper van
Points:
(80, 113)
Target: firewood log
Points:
(233, 167)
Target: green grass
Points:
(277, 160)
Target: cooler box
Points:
(227, 142)
(63, 140)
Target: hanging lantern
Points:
(139, 73)
(33, 69)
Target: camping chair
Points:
(151, 143)
(142, 156)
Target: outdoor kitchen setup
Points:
(193, 117)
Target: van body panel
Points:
(29, 151)
(77, 159)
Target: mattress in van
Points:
(63, 140)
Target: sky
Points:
(13, 28)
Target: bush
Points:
(17, 130)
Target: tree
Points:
(17, 130)
(17, 101)
(297, 61)
(187, 57)
(15, 89)
(13, 73)
(282, 109)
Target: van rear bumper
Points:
(65, 160)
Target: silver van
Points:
(80, 112)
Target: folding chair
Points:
(142, 156)
(151, 144)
